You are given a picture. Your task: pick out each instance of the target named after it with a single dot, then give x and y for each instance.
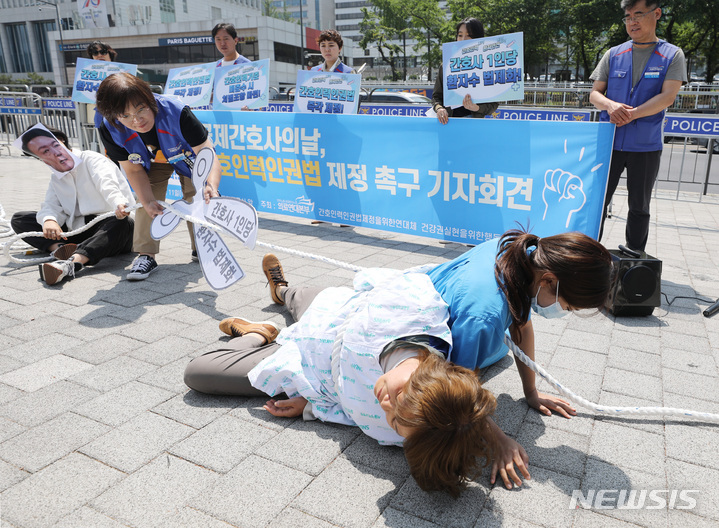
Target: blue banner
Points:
(538, 114)
(58, 104)
(468, 181)
(684, 125)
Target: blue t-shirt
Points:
(478, 309)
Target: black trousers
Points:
(105, 239)
(642, 169)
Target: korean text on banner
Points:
(488, 69)
(192, 84)
(327, 92)
(90, 73)
(237, 86)
(466, 183)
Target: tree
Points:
(382, 24)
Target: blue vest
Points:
(172, 143)
(341, 68)
(239, 60)
(643, 134)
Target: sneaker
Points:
(54, 272)
(64, 252)
(236, 327)
(142, 266)
(194, 256)
(275, 276)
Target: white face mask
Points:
(552, 311)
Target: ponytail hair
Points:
(581, 264)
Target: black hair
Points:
(227, 27)
(35, 132)
(473, 26)
(98, 47)
(629, 4)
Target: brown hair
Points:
(447, 410)
(98, 47)
(331, 34)
(582, 265)
(119, 90)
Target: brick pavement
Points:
(97, 428)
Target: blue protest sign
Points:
(90, 73)
(192, 84)
(488, 69)
(240, 85)
(327, 92)
(468, 181)
(684, 125)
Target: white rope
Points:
(606, 409)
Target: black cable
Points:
(669, 303)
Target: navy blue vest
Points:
(643, 134)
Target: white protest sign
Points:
(90, 73)
(192, 84)
(240, 85)
(488, 69)
(327, 92)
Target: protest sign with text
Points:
(90, 73)
(327, 92)
(192, 84)
(240, 85)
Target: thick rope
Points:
(606, 409)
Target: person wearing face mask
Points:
(467, 29)
(390, 376)
(493, 287)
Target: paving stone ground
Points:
(97, 428)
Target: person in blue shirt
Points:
(331, 43)
(225, 36)
(491, 288)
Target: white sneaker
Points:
(54, 272)
(142, 266)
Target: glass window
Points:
(167, 11)
(3, 68)
(41, 29)
(19, 47)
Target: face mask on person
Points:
(552, 311)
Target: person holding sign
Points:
(151, 136)
(331, 43)
(390, 377)
(226, 40)
(467, 29)
(492, 288)
(101, 51)
(83, 185)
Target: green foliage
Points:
(32, 78)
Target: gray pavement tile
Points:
(196, 409)
(112, 373)
(9, 476)
(34, 408)
(586, 385)
(43, 445)
(579, 360)
(683, 518)
(292, 518)
(101, 351)
(632, 384)
(86, 517)
(123, 403)
(156, 492)
(190, 518)
(696, 445)
(582, 340)
(8, 342)
(8, 429)
(96, 328)
(684, 476)
(236, 497)
(366, 451)
(169, 377)
(554, 449)
(688, 361)
(439, 507)
(134, 443)
(628, 447)
(636, 341)
(8, 393)
(44, 372)
(225, 442)
(684, 328)
(650, 325)
(152, 331)
(554, 326)
(203, 332)
(491, 519)
(36, 349)
(308, 446)
(580, 424)
(45, 497)
(358, 494)
(141, 313)
(39, 327)
(685, 342)
(592, 519)
(252, 411)
(543, 500)
(702, 387)
(165, 349)
(648, 423)
(634, 361)
(510, 412)
(679, 401)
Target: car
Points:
(385, 96)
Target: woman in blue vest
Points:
(151, 136)
(225, 36)
(330, 43)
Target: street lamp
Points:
(302, 39)
(59, 28)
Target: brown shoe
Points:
(236, 327)
(275, 276)
(64, 252)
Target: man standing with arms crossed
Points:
(634, 83)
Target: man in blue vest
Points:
(634, 83)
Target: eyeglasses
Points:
(131, 117)
(636, 17)
(96, 53)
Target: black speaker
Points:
(638, 285)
